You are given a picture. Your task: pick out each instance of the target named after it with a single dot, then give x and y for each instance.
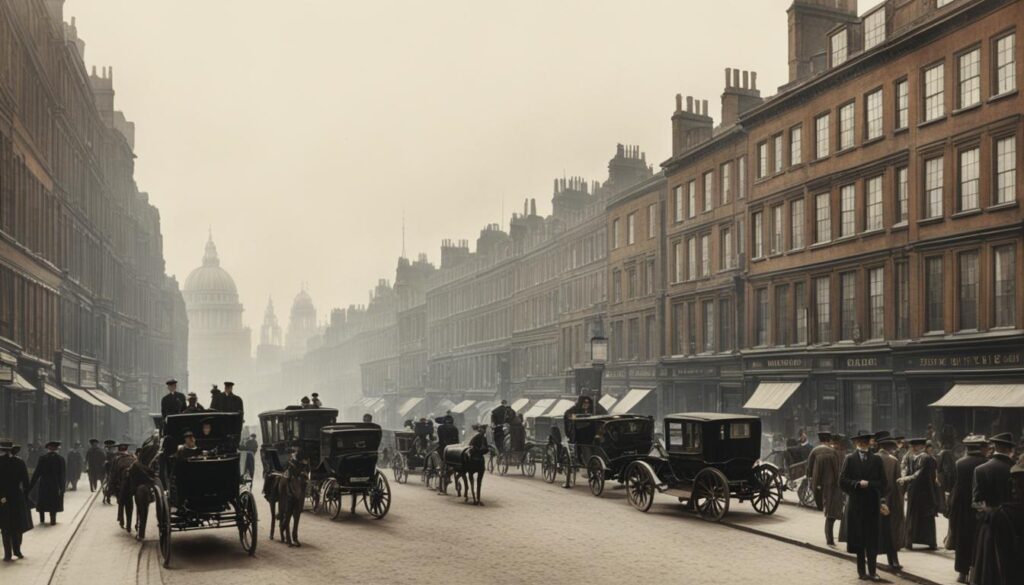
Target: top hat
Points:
(1002, 439)
(52, 444)
(918, 441)
(863, 436)
(228, 384)
(824, 436)
(886, 441)
(110, 442)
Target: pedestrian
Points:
(15, 511)
(367, 418)
(172, 402)
(140, 485)
(827, 466)
(305, 403)
(890, 539)
(1008, 533)
(111, 453)
(216, 398)
(192, 403)
(962, 516)
(316, 400)
(863, 480)
(992, 488)
(250, 447)
(823, 446)
(50, 475)
(231, 402)
(95, 459)
(74, 460)
(922, 503)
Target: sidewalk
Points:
(43, 545)
(805, 527)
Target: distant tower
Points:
(270, 332)
(301, 325)
(270, 351)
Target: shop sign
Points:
(89, 375)
(864, 362)
(993, 359)
(697, 371)
(780, 363)
(642, 372)
(6, 373)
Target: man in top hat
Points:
(50, 475)
(962, 516)
(172, 402)
(863, 480)
(231, 401)
(891, 525)
(15, 515)
(992, 488)
(216, 398)
(95, 459)
(305, 403)
(74, 460)
(501, 416)
(192, 404)
(250, 447)
(922, 501)
(823, 445)
(447, 434)
(827, 466)
(316, 400)
(1008, 533)
(110, 453)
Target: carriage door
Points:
(685, 448)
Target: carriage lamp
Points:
(598, 349)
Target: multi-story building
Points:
(90, 325)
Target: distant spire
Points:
(403, 232)
(210, 257)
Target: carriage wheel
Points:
(639, 487)
(378, 499)
(490, 461)
(711, 494)
(247, 522)
(331, 501)
(527, 465)
(548, 467)
(595, 476)
(805, 493)
(432, 471)
(314, 496)
(503, 464)
(163, 522)
(569, 467)
(767, 486)
(399, 466)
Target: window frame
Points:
(939, 96)
(975, 90)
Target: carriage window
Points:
(684, 437)
(739, 431)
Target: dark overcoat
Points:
(862, 508)
(74, 466)
(232, 403)
(95, 463)
(172, 403)
(50, 475)
(15, 514)
(891, 526)
(991, 489)
(809, 472)
(827, 467)
(1008, 543)
(963, 526)
(922, 503)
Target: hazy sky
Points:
(300, 130)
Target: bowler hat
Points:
(110, 442)
(886, 441)
(171, 382)
(122, 446)
(228, 384)
(1002, 439)
(882, 435)
(52, 444)
(863, 436)
(188, 434)
(94, 441)
(918, 441)
(824, 436)
(975, 440)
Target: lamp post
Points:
(588, 380)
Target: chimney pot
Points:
(679, 102)
(728, 77)
(746, 80)
(753, 80)
(704, 107)
(689, 103)
(735, 77)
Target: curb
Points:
(835, 553)
(49, 570)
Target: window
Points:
(837, 48)
(634, 339)
(761, 317)
(933, 188)
(617, 285)
(705, 255)
(691, 329)
(821, 136)
(796, 224)
(677, 253)
(677, 329)
(902, 300)
(709, 325)
(631, 229)
(823, 223)
(725, 248)
(933, 294)
(934, 96)
(679, 204)
(873, 204)
(652, 223)
(631, 282)
(775, 245)
(725, 324)
(691, 258)
(777, 153)
(741, 177)
(649, 277)
(615, 234)
(762, 160)
(1006, 64)
(823, 315)
(1005, 271)
(796, 140)
(782, 323)
(848, 306)
(684, 437)
(876, 303)
(873, 115)
(800, 310)
(902, 195)
(969, 179)
(651, 349)
(902, 104)
(725, 179)
(709, 190)
(968, 301)
(847, 211)
(969, 74)
(757, 235)
(846, 126)
(1006, 170)
(691, 198)
(874, 29)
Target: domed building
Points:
(301, 325)
(219, 345)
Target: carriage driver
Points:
(447, 434)
(501, 416)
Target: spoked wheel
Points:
(378, 499)
(639, 487)
(314, 496)
(163, 520)
(595, 476)
(711, 494)
(503, 463)
(400, 467)
(569, 467)
(549, 467)
(432, 471)
(247, 522)
(805, 493)
(767, 489)
(528, 466)
(331, 502)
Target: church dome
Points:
(303, 302)
(210, 277)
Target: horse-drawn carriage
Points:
(605, 445)
(516, 451)
(202, 487)
(710, 458)
(290, 429)
(412, 450)
(348, 467)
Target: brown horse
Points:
(466, 464)
(285, 491)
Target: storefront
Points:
(702, 385)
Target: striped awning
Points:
(520, 404)
(608, 401)
(630, 400)
(983, 396)
(53, 392)
(20, 383)
(110, 401)
(408, 405)
(84, 396)
(463, 406)
(771, 395)
(539, 408)
(560, 407)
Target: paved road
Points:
(527, 532)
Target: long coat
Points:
(232, 403)
(922, 503)
(827, 466)
(809, 471)
(50, 475)
(1008, 543)
(891, 526)
(963, 526)
(95, 462)
(172, 403)
(991, 489)
(74, 466)
(862, 510)
(15, 515)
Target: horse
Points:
(466, 464)
(287, 488)
(144, 494)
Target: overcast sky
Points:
(300, 131)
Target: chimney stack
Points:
(740, 95)
(691, 126)
(809, 23)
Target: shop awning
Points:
(20, 383)
(983, 396)
(560, 407)
(630, 400)
(463, 406)
(378, 405)
(608, 401)
(539, 408)
(56, 393)
(520, 404)
(408, 405)
(771, 395)
(109, 400)
(84, 396)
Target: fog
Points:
(301, 131)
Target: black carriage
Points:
(204, 487)
(710, 458)
(517, 451)
(348, 467)
(554, 460)
(603, 446)
(411, 451)
(293, 428)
